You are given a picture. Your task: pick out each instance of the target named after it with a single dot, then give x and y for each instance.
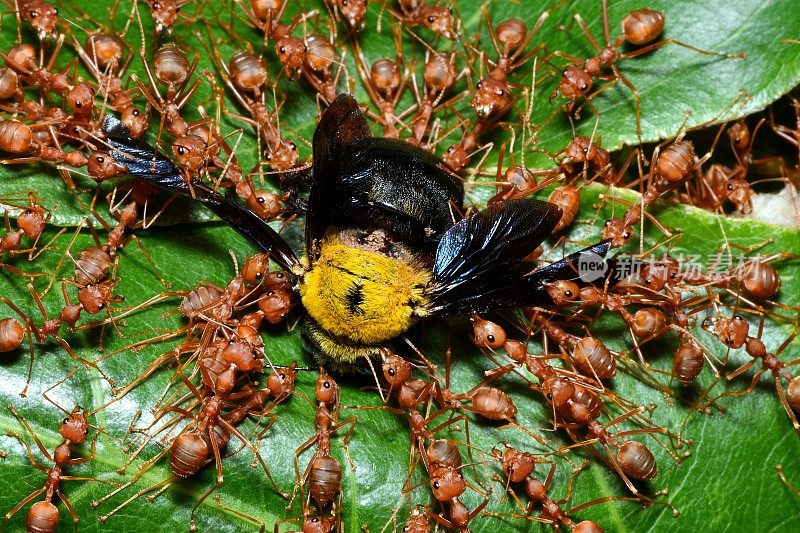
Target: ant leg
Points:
(102, 519)
(24, 422)
(20, 505)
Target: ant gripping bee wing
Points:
(363, 180)
(143, 162)
(480, 263)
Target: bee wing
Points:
(478, 263)
(142, 161)
(585, 267)
(340, 141)
(248, 225)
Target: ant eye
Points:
(181, 150)
(549, 395)
(480, 84)
(282, 376)
(282, 49)
(292, 145)
(135, 113)
(567, 293)
(450, 150)
(436, 485)
(391, 372)
(490, 338)
(65, 421)
(327, 385)
(101, 306)
(34, 14)
(730, 186)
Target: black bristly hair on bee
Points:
(381, 249)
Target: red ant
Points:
(323, 473)
(353, 12)
(438, 19)
(385, 82)
(166, 12)
(172, 68)
(730, 331)
(640, 28)
(43, 516)
(320, 56)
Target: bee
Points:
(383, 248)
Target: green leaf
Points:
(752, 436)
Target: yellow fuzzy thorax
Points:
(362, 296)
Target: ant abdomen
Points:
(12, 333)
(248, 72)
(642, 26)
(199, 299)
(171, 65)
(188, 454)
(592, 357)
(42, 518)
(324, 479)
(637, 461)
(688, 362)
(675, 161)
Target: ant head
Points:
(42, 16)
(327, 389)
(396, 370)
(562, 292)
(134, 120)
(281, 381)
(75, 427)
(439, 19)
(255, 266)
(517, 465)
(81, 98)
(487, 334)
(447, 483)
(190, 152)
(354, 12)
(291, 53)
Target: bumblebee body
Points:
(364, 289)
(385, 244)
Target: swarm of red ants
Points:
(228, 388)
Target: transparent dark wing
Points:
(340, 141)
(478, 263)
(141, 160)
(585, 267)
(248, 225)
(145, 163)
